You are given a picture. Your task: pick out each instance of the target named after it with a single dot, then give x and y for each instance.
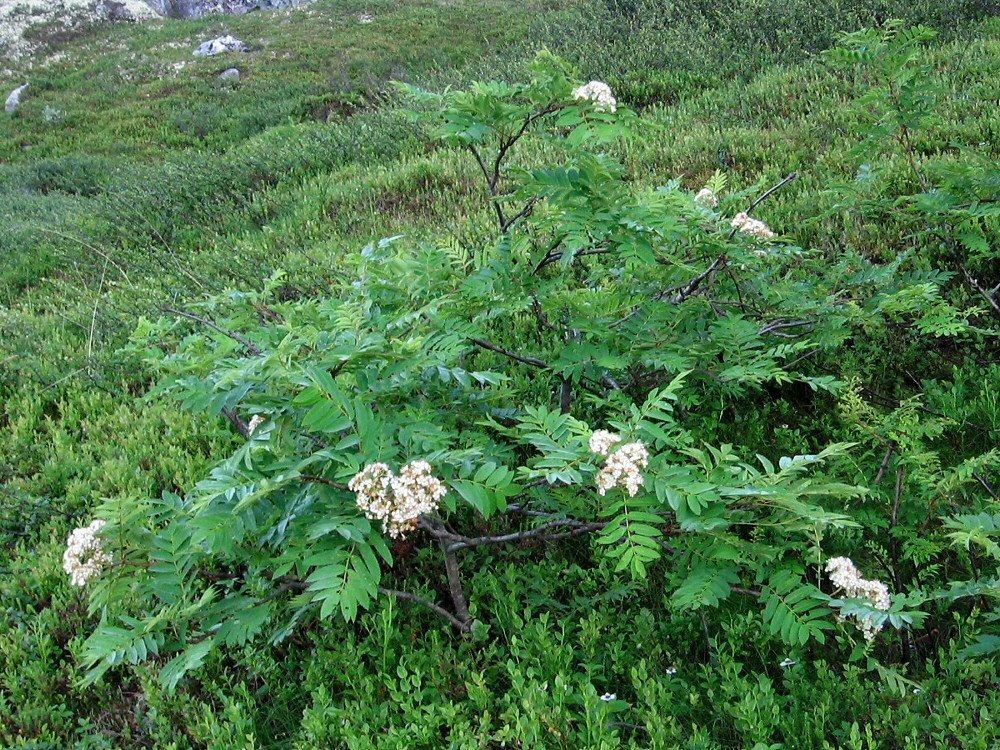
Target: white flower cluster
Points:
(708, 199)
(753, 227)
(845, 576)
(85, 557)
(397, 501)
(623, 467)
(599, 93)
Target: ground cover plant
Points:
(670, 365)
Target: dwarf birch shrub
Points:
(558, 382)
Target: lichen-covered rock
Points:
(230, 74)
(196, 8)
(219, 45)
(15, 98)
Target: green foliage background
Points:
(158, 187)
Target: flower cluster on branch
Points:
(623, 467)
(599, 93)
(845, 576)
(85, 557)
(753, 227)
(397, 501)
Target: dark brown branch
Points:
(494, 348)
(508, 223)
(770, 192)
(506, 145)
(986, 485)
(893, 541)
(543, 320)
(491, 183)
(972, 280)
(323, 480)
(577, 528)
(463, 627)
(776, 326)
(455, 587)
(237, 421)
(551, 257)
(767, 194)
(250, 347)
(288, 583)
(885, 463)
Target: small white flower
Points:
(608, 697)
(787, 662)
(671, 670)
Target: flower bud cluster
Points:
(397, 501)
(708, 199)
(85, 557)
(599, 93)
(753, 227)
(623, 467)
(845, 576)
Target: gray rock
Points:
(110, 10)
(197, 8)
(15, 98)
(219, 45)
(230, 74)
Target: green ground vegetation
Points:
(133, 179)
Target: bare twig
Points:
(508, 223)
(463, 627)
(323, 480)
(885, 463)
(767, 194)
(250, 347)
(107, 258)
(988, 487)
(576, 528)
(494, 348)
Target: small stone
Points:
(15, 98)
(230, 74)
